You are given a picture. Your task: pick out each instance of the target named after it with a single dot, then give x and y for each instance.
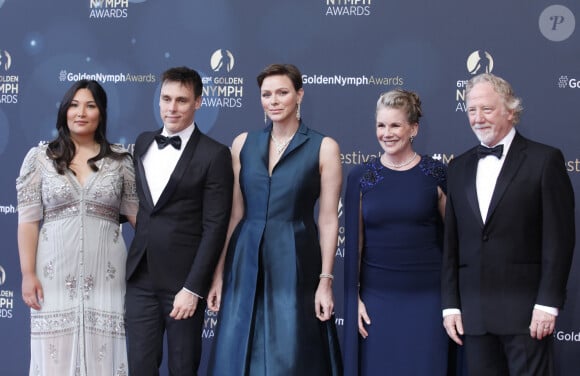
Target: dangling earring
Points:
(265, 118)
(412, 139)
(298, 111)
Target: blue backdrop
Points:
(349, 52)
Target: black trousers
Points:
(509, 355)
(147, 318)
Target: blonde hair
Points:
(407, 101)
(503, 88)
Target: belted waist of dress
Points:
(92, 209)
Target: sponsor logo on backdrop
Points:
(108, 8)
(567, 336)
(5, 60)
(573, 166)
(566, 82)
(441, 157)
(8, 82)
(222, 60)
(340, 244)
(209, 323)
(557, 23)
(479, 61)
(148, 78)
(342, 80)
(6, 297)
(347, 8)
(563, 82)
(223, 89)
(7, 209)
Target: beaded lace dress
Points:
(80, 263)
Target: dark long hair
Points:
(62, 149)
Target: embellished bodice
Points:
(428, 166)
(45, 194)
(400, 209)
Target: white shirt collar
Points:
(185, 134)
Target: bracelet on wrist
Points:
(326, 275)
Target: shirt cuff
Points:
(192, 293)
(551, 310)
(451, 311)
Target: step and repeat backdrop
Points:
(349, 52)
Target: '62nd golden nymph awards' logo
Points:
(222, 89)
(9, 85)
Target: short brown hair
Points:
(288, 70)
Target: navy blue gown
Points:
(267, 323)
(399, 271)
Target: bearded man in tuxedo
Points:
(509, 239)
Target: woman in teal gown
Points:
(273, 285)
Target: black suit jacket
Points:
(182, 235)
(495, 272)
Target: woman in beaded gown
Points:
(276, 307)
(71, 193)
(394, 208)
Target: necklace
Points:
(280, 146)
(392, 165)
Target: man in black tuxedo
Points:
(509, 238)
(184, 183)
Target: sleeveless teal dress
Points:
(267, 323)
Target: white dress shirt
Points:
(160, 163)
(488, 169)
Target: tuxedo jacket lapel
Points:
(180, 168)
(470, 185)
(513, 161)
(140, 151)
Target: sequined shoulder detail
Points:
(28, 183)
(118, 148)
(436, 170)
(371, 175)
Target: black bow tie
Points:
(483, 151)
(163, 141)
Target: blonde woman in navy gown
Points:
(394, 212)
(276, 309)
